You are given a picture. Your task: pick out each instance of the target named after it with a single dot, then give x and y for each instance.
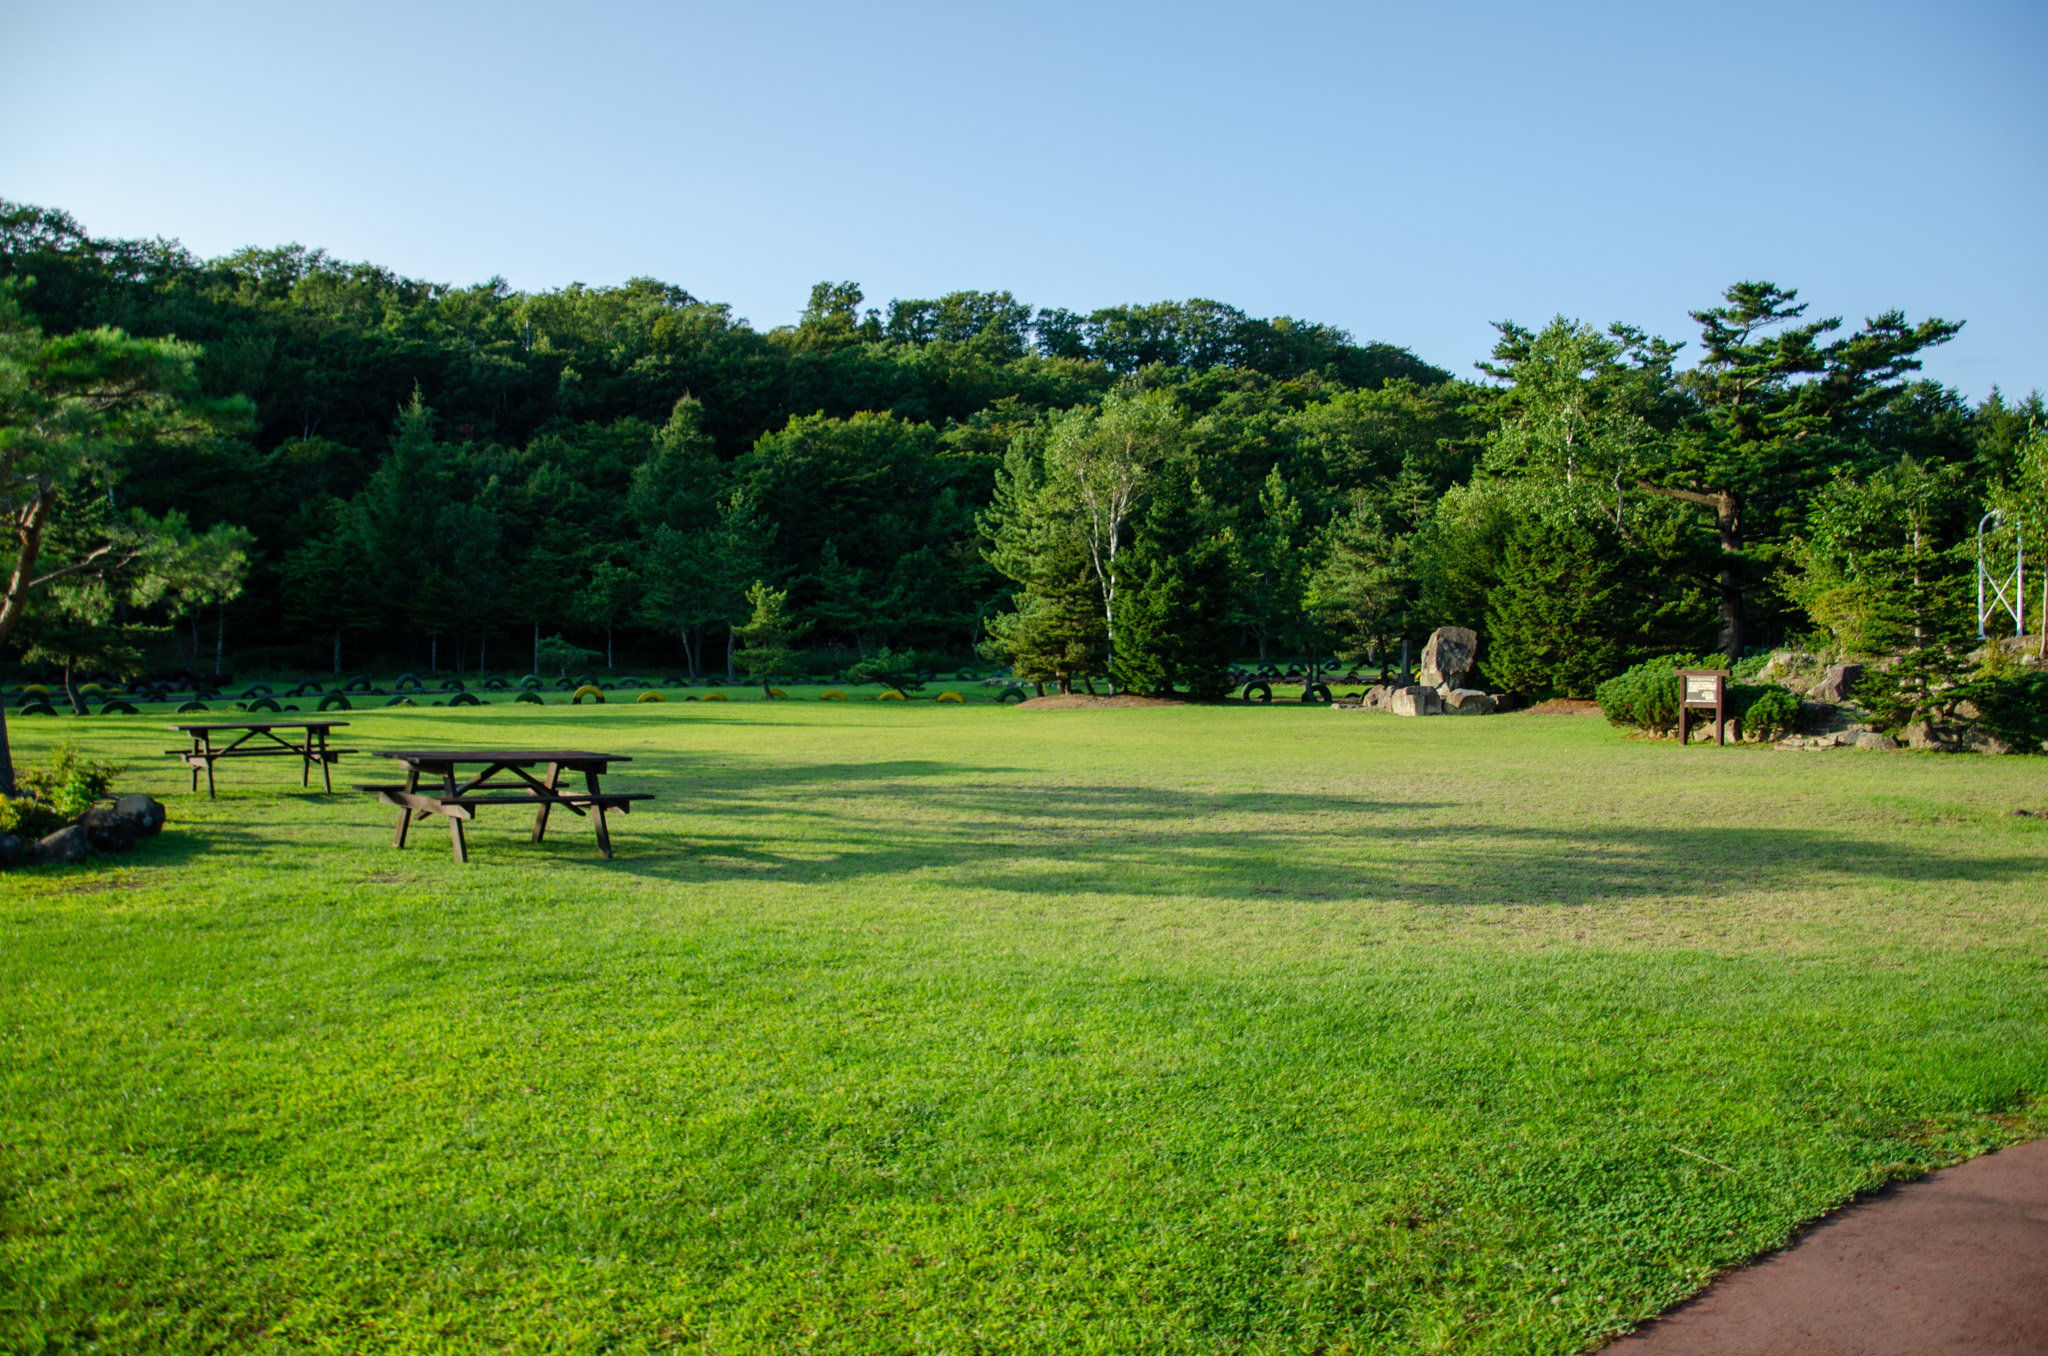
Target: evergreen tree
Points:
(1559, 619)
(768, 635)
(1176, 632)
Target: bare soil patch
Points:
(1565, 706)
(1082, 702)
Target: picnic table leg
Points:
(326, 766)
(604, 838)
(540, 816)
(210, 793)
(306, 766)
(192, 760)
(412, 783)
(454, 824)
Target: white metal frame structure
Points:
(2015, 606)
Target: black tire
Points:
(1017, 694)
(1318, 692)
(1260, 692)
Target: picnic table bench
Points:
(259, 739)
(431, 787)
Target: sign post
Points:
(1703, 690)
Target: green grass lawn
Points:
(962, 1028)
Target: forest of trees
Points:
(307, 464)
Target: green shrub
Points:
(52, 796)
(1772, 713)
(1646, 698)
(2011, 706)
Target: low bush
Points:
(1646, 698)
(52, 795)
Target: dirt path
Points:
(1955, 1262)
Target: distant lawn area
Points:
(962, 1028)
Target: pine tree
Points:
(1559, 619)
(1176, 629)
(767, 636)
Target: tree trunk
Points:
(483, 645)
(536, 646)
(732, 675)
(1728, 521)
(433, 654)
(220, 638)
(609, 666)
(689, 655)
(337, 652)
(71, 693)
(6, 756)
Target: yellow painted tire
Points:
(650, 697)
(590, 690)
(889, 695)
(949, 697)
(35, 690)
(777, 692)
(716, 697)
(835, 695)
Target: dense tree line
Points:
(445, 477)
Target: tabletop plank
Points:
(511, 757)
(259, 725)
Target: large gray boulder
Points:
(1841, 679)
(65, 845)
(1448, 657)
(1415, 701)
(146, 813)
(1469, 701)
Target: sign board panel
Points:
(1703, 688)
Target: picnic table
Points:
(432, 787)
(259, 739)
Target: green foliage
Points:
(56, 792)
(1645, 697)
(1559, 621)
(1771, 713)
(1176, 633)
(768, 637)
(893, 668)
(558, 656)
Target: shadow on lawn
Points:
(1150, 841)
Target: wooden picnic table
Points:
(259, 739)
(432, 788)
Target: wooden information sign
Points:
(1703, 689)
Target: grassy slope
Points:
(969, 1028)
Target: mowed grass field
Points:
(907, 1027)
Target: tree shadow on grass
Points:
(1149, 841)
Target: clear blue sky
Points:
(1410, 172)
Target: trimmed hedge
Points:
(1646, 698)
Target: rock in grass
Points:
(1872, 739)
(1448, 656)
(1469, 701)
(108, 830)
(1414, 701)
(145, 812)
(1841, 679)
(11, 850)
(65, 845)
